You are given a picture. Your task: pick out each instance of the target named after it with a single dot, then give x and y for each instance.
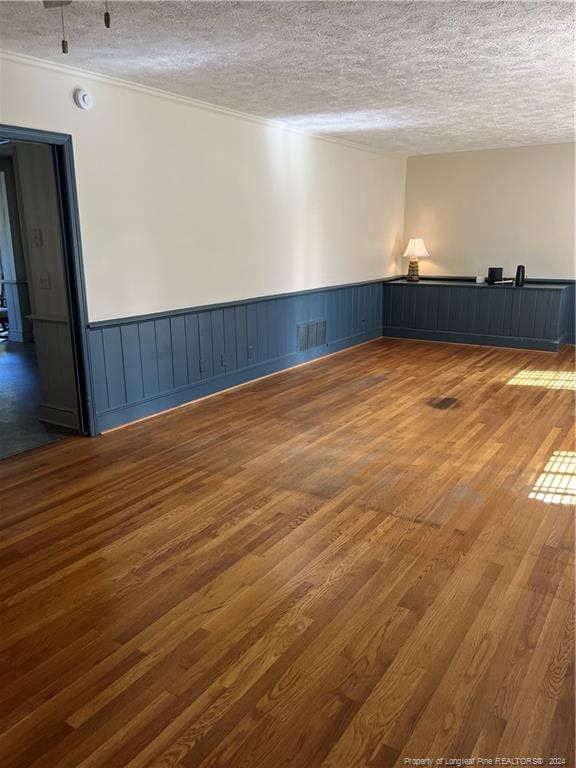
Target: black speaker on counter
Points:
(494, 275)
(520, 275)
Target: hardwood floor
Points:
(359, 561)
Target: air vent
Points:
(311, 335)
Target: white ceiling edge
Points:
(203, 105)
(21, 58)
(492, 148)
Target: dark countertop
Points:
(483, 286)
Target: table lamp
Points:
(414, 249)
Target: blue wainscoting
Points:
(569, 315)
(538, 316)
(144, 365)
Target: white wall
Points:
(182, 206)
(499, 207)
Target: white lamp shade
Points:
(415, 249)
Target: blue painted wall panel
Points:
(164, 355)
(230, 339)
(477, 313)
(344, 314)
(262, 331)
(541, 315)
(132, 363)
(98, 370)
(142, 366)
(241, 336)
(386, 314)
(370, 306)
(410, 305)
(432, 308)
(275, 336)
(495, 322)
(453, 307)
(395, 302)
(568, 321)
(179, 353)
(112, 341)
(379, 293)
(353, 314)
(149, 357)
(553, 320)
(289, 322)
(206, 349)
(252, 333)
(274, 329)
(517, 309)
(420, 314)
(349, 312)
(353, 311)
(333, 319)
(364, 307)
(218, 348)
(192, 347)
(531, 318)
(444, 308)
(527, 320)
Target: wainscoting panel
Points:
(569, 315)
(144, 365)
(534, 317)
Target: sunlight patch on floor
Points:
(557, 483)
(547, 379)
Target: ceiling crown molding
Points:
(66, 69)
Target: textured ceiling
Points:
(411, 77)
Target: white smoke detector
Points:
(83, 99)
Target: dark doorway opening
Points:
(44, 365)
(20, 400)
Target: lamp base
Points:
(413, 275)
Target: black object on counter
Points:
(520, 275)
(494, 275)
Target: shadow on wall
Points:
(289, 157)
(317, 199)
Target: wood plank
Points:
(317, 569)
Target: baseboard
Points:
(60, 417)
(487, 340)
(175, 398)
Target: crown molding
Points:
(34, 61)
(491, 148)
